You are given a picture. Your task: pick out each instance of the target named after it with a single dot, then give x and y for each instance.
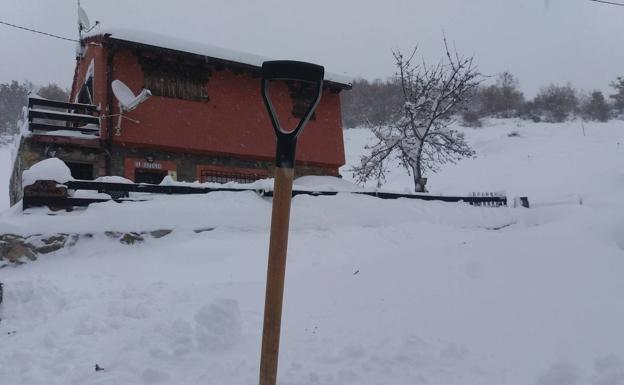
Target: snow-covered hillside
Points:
(377, 292)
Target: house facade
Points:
(205, 120)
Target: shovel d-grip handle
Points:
(282, 194)
(294, 71)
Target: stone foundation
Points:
(185, 167)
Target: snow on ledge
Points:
(68, 134)
(304, 183)
(325, 183)
(48, 169)
(113, 179)
(170, 42)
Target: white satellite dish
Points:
(127, 100)
(83, 20)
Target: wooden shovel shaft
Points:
(276, 272)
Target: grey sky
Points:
(540, 41)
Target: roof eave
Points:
(109, 37)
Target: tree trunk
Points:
(419, 181)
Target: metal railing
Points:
(52, 115)
(120, 192)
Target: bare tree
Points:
(555, 103)
(13, 96)
(595, 107)
(502, 100)
(372, 102)
(618, 96)
(54, 92)
(419, 136)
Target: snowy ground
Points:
(377, 292)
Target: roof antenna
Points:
(84, 26)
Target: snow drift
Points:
(377, 292)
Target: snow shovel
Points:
(312, 75)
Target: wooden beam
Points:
(65, 105)
(62, 116)
(54, 127)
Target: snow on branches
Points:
(418, 135)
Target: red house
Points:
(204, 121)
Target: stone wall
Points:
(31, 151)
(187, 163)
(18, 249)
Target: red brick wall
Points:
(233, 122)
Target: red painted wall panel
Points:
(233, 122)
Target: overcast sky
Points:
(539, 41)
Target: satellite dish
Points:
(127, 100)
(83, 20)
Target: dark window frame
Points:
(302, 94)
(175, 77)
(79, 170)
(146, 175)
(85, 95)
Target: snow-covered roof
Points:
(208, 50)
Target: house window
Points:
(148, 170)
(83, 171)
(149, 176)
(85, 95)
(175, 79)
(302, 94)
(220, 174)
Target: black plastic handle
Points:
(292, 70)
(296, 71)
